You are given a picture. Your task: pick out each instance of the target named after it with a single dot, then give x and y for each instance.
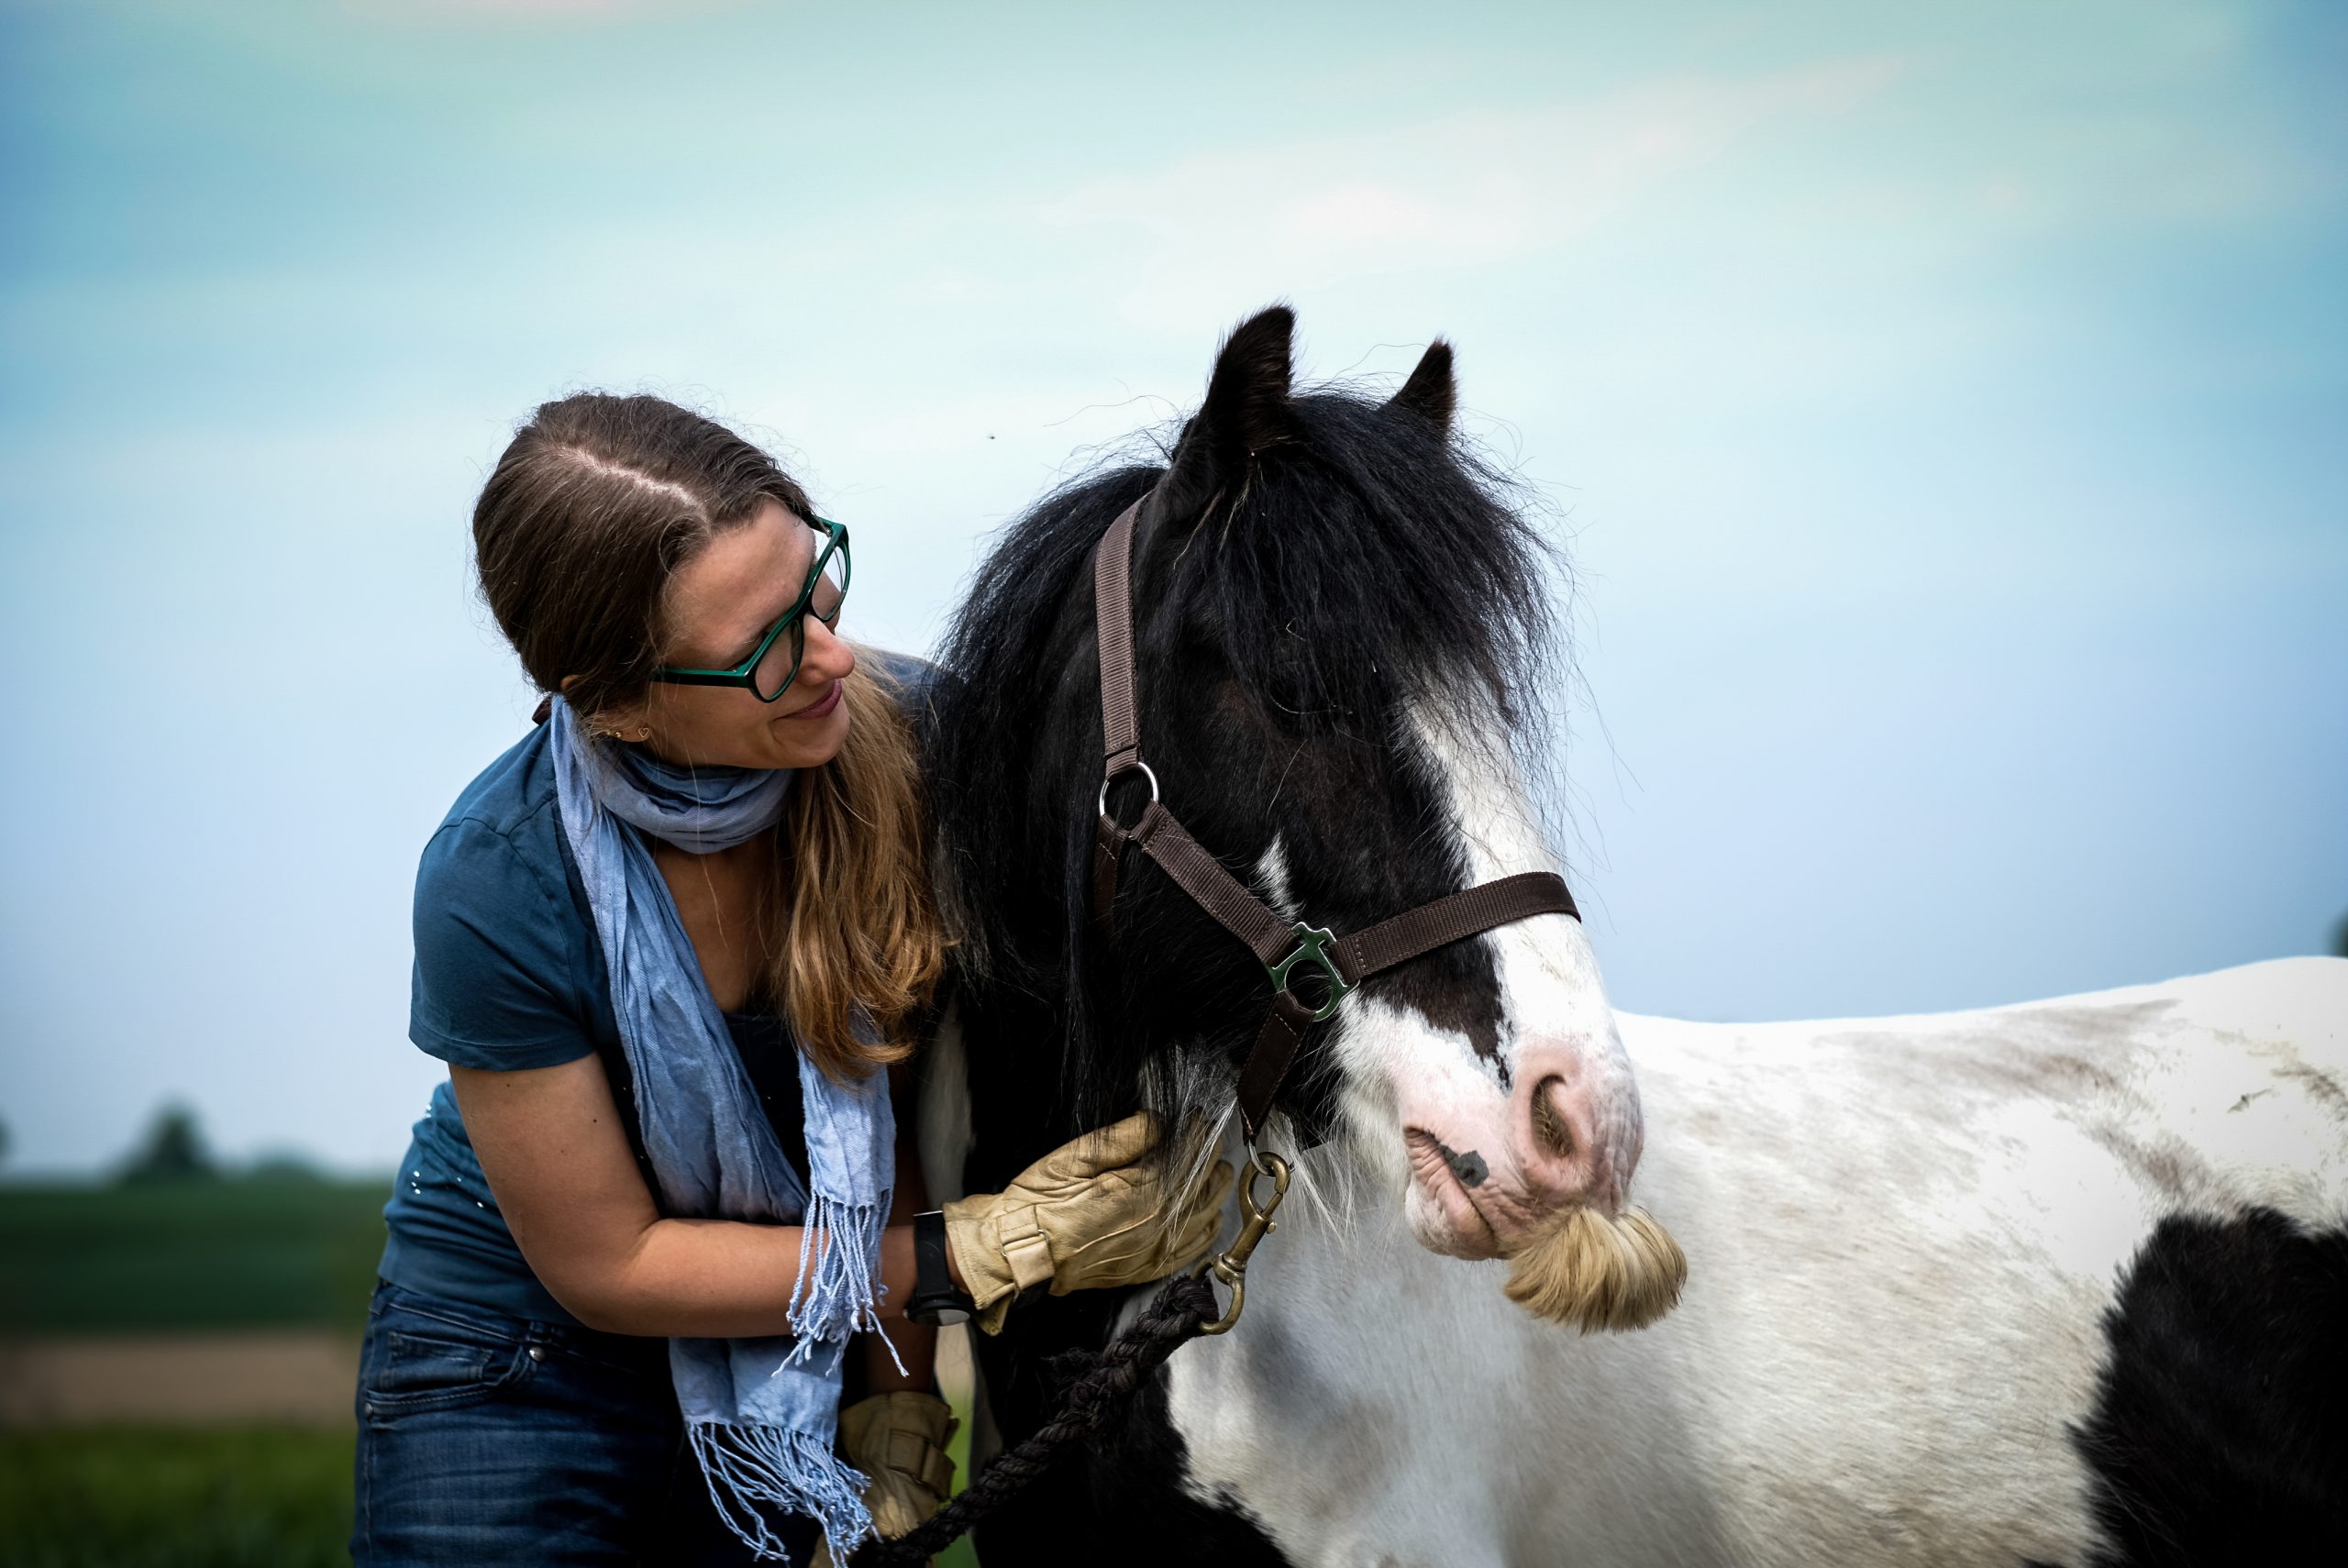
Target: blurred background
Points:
(1944, 408)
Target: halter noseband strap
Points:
(1281, 946)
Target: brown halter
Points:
(1280, 945)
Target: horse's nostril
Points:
(1549, 1128)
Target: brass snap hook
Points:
(1255, 1223)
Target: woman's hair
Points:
(597, 502)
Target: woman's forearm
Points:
(916, 1347)
(550, 1143)
(915, 1344)
(714, 1279)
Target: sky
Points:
(1943, 407)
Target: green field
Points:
(244, 1253)
(230, 1498)
(178, 1256)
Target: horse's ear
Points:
(1245, 412)
(1431, 391)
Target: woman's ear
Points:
(620, 721)
(628, 722)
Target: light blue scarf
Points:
(760, 1413)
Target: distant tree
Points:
(3, 1142)
(284, 1165)
(2339, 938)
(173, 1150)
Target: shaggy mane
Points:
(1369, 560)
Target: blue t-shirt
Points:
(508, 975)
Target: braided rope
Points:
(1180, 1308)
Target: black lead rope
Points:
(1183, 1308)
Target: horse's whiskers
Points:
(1322, 1191)
(1599, 1271)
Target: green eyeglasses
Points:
(773, 665)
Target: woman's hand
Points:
(898, 1442)
(1090, 1214)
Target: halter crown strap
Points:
(1112, 619)
(1279, 944)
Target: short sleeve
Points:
(494, 983)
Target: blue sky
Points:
(1944, 410)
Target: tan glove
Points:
(898, 1442)
(1089, 1214)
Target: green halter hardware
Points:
(1312, 945)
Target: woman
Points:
(674, 945)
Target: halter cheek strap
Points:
(1287, 950)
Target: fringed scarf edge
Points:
(793, 1472)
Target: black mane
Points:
(1366, 556)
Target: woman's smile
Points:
(821, 705)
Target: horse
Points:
(2061, 1282)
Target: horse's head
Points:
(1344, 652)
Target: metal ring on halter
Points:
(1131, 767)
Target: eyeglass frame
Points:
(744, 674)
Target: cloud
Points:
(1466, 190)
(532, 7)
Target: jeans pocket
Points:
(413, 1362)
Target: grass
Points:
(225, 1497)
(239, 1252)
(182, 1257)
(132, 1497)
(961, 1555)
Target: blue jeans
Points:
(486, 1439)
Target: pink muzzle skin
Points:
(1488, 1172)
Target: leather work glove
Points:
(898, 1442)
(1087, 1215)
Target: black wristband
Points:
(937, 1299)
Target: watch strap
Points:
(935, 1297)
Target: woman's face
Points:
(720, 605)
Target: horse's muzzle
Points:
(1491, 1171)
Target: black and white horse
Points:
(2063, 1282)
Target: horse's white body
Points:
(1902, 1234)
